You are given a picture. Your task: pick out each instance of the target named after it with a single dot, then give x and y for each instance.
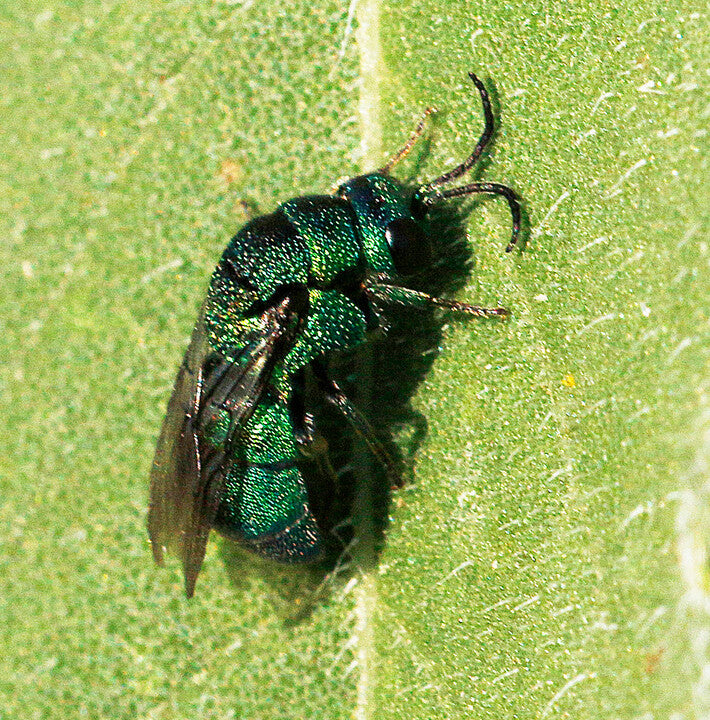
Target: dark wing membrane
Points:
(175, 465)
(187, 479)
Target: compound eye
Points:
(408, 245)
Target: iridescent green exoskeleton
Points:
(291, 287)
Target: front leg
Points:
(393, 295)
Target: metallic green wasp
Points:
(291, 287)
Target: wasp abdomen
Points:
(265, 503)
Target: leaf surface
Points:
(548, 559)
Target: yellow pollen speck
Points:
(568, 381)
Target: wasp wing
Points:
(175, 464)
(188, 474)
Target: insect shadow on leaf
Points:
(382, 377)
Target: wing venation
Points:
(189, 471)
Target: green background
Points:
(549, 558)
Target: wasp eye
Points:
(408, 245)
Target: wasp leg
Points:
(303, 427)
(404, 151)
(337, 397)
(311, 443)
(394, 295)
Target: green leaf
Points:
(549, 557)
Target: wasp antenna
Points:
(487, 189)
(404, 151)
(471, 160)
